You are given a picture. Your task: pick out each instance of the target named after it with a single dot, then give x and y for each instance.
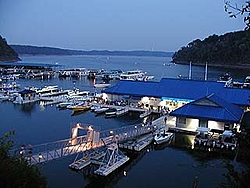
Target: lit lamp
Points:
(136, 131)
(40, 157)
(22, 151)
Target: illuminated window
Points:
(181, 120)
(203, 123)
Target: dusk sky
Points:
(159, 25)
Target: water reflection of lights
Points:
(192, 143)
(124, 173)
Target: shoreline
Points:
(10, 60)
(239, 67)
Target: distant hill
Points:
(35, 50)
(7, 54)
(228, 50)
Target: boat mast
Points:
(206, 72)
(190, 71)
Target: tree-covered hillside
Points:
(36, 50)
(228, 50)
(6, 52)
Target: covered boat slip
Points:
(192, 103)
(177, 90)
(210, 111)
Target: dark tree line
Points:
(15, 171)
(232, 49)
(6, 52)
(36, 50)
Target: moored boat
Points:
(63, 105)
(111, 112)
(227, 79)
(163, 137)
(80, 108)
(133, 75)
(100, 110)
(101, 85)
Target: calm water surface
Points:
(170, 166)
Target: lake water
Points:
(171, 166)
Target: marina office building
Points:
(192, 103)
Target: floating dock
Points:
(112, 160)
(138, 144)
(94, 158)
(182, 130)
(105, 170)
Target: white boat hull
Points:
(163, 137)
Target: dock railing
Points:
(53, 150)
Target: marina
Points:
(139, 139)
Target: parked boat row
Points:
(227, 78)
(37, 72)
(107, 75)
(216, 139)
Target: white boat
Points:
(4, 97)
(100, 110)
(133, 75)
(227, 79)
(77, 92)
(228, 140)
(47, 90)
(111, 112)
(112, 75)
(246, 83)
(74, 72)
(101, 85)
(163, 136)
(137, 75)
(64, 104)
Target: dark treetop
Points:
(7, 54)
(228, 50)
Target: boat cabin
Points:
(26, 96)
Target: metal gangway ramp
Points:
(76, 144)
(112, 159)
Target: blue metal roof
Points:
(133, 88)
(210, 107)
(188, 89)
(182, 89)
